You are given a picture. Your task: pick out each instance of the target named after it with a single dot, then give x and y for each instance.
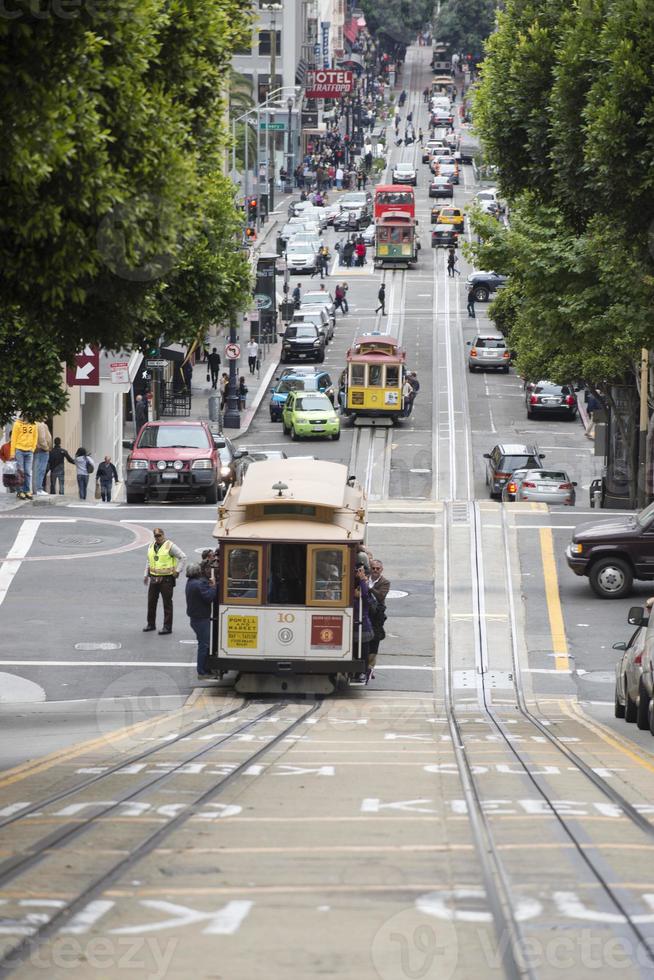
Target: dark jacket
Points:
(57, 457)
(213, 361)
(106, 472)
(200, 594)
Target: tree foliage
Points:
(111, 118)
(397, 21)
(464, 25)
(565, 108)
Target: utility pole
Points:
(643, 429)
(232, 416)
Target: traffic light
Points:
(252, 209)
(150, 348)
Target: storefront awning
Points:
(351, 31)
(351, 61)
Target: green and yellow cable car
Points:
(396, 240)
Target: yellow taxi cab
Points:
(447, 215)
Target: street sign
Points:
(86, 370)
(328, 83)
(119, 372)
(156, 362)
(272, 127)
(232, 352)
(262, 301)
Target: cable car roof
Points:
(376, 349)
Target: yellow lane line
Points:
(554, 611)
(573, 710)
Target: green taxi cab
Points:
(310, 414)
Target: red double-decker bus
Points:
(394, 197)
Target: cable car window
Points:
(375, 375)
(405, 236)
(395, 234)
(382, 234)
(357, 374)
(287, 572)
(392, 377)
(243, 574)
(327, 575)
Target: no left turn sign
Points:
(232, 352)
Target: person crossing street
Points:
(165, 562)
(471, 302)
(381, 296)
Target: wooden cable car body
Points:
(373, 379)
(396, 240)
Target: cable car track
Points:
(20, 865)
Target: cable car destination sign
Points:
(328, 83)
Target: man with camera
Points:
(201, 592)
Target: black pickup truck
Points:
(614, 552)
(485, 283)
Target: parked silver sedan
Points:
(631, 697)
(544, 487)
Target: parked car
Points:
(404, 173)
(303, 341)
(301, 257)
(440, 186)
(353, 219)
(309, 414)
(320, 297)
(489, 201)
(443, 236)
(178, 459)
(504, 459)
(544, 487)
(488, 351)
(612, 553)
(248, 456)
(317, 315)
(545, 399)
(448, 215)
(297, 225)
(632, 697)
(486, 283)
(356, 199)
(368, 234)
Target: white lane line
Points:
(18, 551)
(166, 521)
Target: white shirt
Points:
(252, 348)
(339, 174)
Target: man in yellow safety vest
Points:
(165, 562)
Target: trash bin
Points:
(280, 245)
(214, 408)
(288, 187)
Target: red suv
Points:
(179, 459)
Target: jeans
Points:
(57, 474)
(105, 489)
(82, 484)
(471, 308)
(24, 460)
(40, 466)
(202, 630)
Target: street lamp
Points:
(289, 142)
(273, 8)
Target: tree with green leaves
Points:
(108, 144)
(397, 21)
(464, 25)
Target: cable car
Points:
(372, 382)
(285, 617)
(396, 240)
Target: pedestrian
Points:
(345, 302)
(214, 366)
(471, 302)
(201, 592)
(253, 355)
(421, 136)
(379, 587)
(24, 438)
(141, 412)
(425, 94)
(106, 474)
(360, 252)
(56, 466)
(41, 457)
(85, 466)
(242, 393)
(414, 384)
(339, 178)
(339, 298)
(363, 631)
(409, 117)
(296, 296)
(224, 389)
(452, 260)
(165, 562)
(348, 253)
(381, 296)
(407, 398)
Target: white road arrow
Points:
(84, 371)
(373, 805)
(221, 922)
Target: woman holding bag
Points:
(84, 465)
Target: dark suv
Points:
(485, 283)
(303, 342)
(613, 553)
(504, 459)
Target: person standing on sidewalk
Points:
(56, 466)
(105, 475)
(41, 457)
(24, 437)
(165, 562)
(85, 465)
(381, 296)
(141, 411)
(252, 349)
(214, 366)
(200, 597)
